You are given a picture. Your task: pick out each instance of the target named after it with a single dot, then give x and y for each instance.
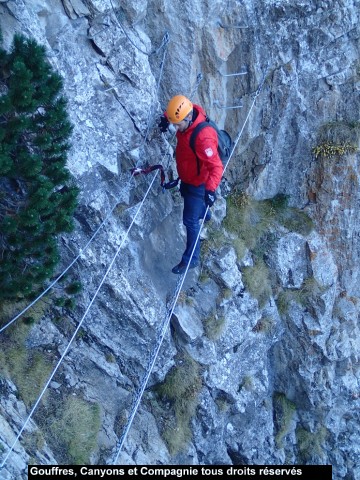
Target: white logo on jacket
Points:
(209, 152)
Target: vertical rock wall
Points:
(279, 381)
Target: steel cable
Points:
(156, 50)
(177, 290)
(59, 277)
(87, 309)
(54, 282)
(151, 120)
(77, 328)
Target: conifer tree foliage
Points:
(37, 193)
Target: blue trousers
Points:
(194, 209)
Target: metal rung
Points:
(225, 107)
(233, 74)
(230, 26)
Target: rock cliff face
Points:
(260, 364)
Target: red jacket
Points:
(206, 143)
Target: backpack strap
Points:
(193, 137)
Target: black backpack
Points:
(224, 141)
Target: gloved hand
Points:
(164, 123)
(210, 198)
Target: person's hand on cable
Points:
(164, 123)
(210, 198)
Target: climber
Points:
(199, 178)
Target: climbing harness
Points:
(171, 306)
(137, 170)
(171, 184)
(165, 186)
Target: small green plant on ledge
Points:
(257, 281)
(71, 425)
(181, 387)
(248, 219)
(307, 296)
(285, 410)
(310, 444)
(265, 325)
(247, 383)
(329, 150)
(257, 226)
(28, 370)
(214, 326)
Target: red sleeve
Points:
(206, 146)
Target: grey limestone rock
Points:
(300, 348)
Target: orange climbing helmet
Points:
(178, 108)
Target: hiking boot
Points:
(180, 268)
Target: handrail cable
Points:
(59, 277)
(178, 287)
(164, 43)
(77, 328)
(150, 120)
